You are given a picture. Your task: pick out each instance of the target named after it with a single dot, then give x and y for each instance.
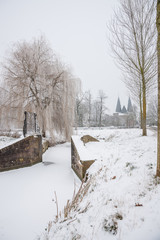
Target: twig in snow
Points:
(56, 205)
(138, 205)
(72, 221)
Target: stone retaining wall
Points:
(45, 146)
(25, 152)
(78, 165)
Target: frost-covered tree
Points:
(102, 107)
(79, 110)
(95, 112)
(90, 112)
(36, 80)
(88, 104)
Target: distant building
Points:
(124, 110)
(118, 107)
(130, 107)
(122, 117)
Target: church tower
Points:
(129, 108)
(124, 110)
(118, 107)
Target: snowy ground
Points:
(121, 200)
(5, 141)
(27, 195)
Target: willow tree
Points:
(134, 46)
(38, 81)
(158, 53)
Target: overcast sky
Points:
(76, 30)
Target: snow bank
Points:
(84, 153)
(122, 200)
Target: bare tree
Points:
(90, 112)
(134, 46)
(88, 104)
(158, 53)
(78, 109)
(36, 80)
(135, 87)
(95, 112)
(69, 96)
(102, 97)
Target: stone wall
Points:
(25, 152)
(75, 161)
(45, 146)
(79, 166)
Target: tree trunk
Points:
(158, 53)
(100, 117)
(76, 117)
(144, 107)
(141, 112)
(43, 129)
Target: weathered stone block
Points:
(25, 152)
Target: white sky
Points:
(76, 30)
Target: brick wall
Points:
(25, 152)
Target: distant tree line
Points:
(90, 112)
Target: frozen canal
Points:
(27, 195)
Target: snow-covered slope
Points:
(121, 199)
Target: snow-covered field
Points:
(121, 199)
(27, 200)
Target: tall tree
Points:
(133, 43)
(102, 98)
(95, 112)
(88, 100)
(79, 110)
(158, 53)
(36, 80)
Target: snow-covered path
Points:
(27, 195)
